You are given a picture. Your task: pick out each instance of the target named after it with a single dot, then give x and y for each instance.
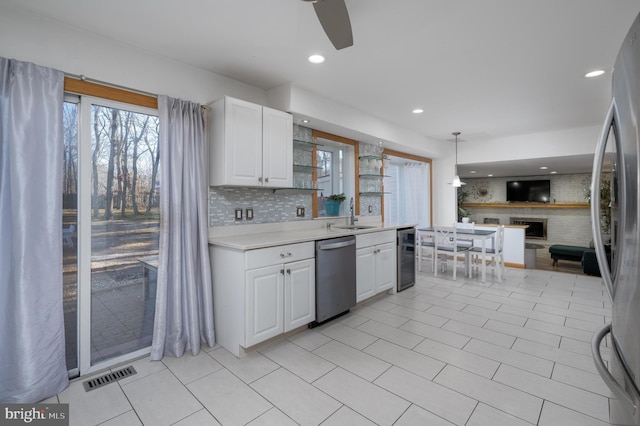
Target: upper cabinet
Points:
(250, 145)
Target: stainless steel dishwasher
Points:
(335, 277)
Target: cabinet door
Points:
(277, 147)
(365, 273)
(299, 294)
(386, 260)
(263, 304)
(243, 142)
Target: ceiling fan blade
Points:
(334, 18)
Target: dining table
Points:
(466, 233)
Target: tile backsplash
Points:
(268, 206)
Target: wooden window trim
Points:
(82, 87)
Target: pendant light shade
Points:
(456, 183)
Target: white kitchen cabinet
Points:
(260, 294)
(264, 302)
(249, 145)
(299, 294)
(376, 263)
(279, 298)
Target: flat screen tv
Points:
(537, 191)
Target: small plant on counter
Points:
(336, 197)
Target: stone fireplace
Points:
(537, 229)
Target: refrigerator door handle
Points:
(596, 227)
(610, 381)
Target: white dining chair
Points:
(461, 227)
(446, 245)
(494, 255)
(425, 248)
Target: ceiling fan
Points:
(334, 18)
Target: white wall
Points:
(576, 141)
(45, 42)
(346, 121)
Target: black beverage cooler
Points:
(406, 257)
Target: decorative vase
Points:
(465, 220)
(332, 207)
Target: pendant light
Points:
(456, 179)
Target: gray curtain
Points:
(184, 302)
(32, 348)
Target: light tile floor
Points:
(442, 352)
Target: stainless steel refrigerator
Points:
(619, 262)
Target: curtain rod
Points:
(82, 77)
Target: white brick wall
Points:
(564, 226)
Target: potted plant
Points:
(605, 205)
(332, 204)
(463, 212)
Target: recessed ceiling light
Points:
(490, 175)
(594, 73)
(305, 121)
(543, 167)
(472, 171)
(418, 111)
(553, 173)
(316, 59)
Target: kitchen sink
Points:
(355, 227)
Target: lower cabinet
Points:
(278, 299)
(260, 294)
(376, 261)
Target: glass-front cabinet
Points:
(372, 171)
(304, 171)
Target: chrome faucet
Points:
(352, 219)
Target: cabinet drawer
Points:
(375, 238)
(279, 254)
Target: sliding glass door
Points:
(117, 232)
(69, 232)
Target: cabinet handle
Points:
(289, 271)
(282, 271)
(289, 254)
(266, 180)
(281, 254)
(260, 179)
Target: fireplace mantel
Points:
(529, 205)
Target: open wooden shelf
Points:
(529, 205)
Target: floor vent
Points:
(105, 379)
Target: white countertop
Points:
(250, 237)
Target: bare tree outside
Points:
(125, 162)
